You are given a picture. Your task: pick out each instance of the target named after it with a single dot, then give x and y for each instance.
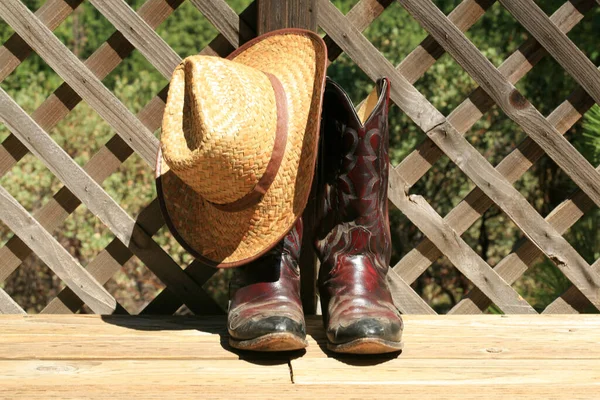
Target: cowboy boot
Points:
(353, 238)
(265, 312)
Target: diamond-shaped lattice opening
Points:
(32, 285)
(584, 235)
(446, 84)
(84, 235)
(31, 83)
(547, 85)
(585, 137)
(492, 236)
(395, 33)
(442, 286)
(167, 241)
(545, 185)
(134, 286)
(443, 186)
(585, 33)
(351, 78)
(541, 284)
(218, 287)
(187, 31)
(82, 133)
(497, 34)
(405, 235)
(30, 183)
(132, 185)
(239, 5)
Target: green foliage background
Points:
(395, 34)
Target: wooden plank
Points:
(473, 373)
(507, 96)
(557, 44)
(15, 50)
(41, 374)
(98, 202)
(279, 14)
(8, 305)
(140, 35)
(80, 78)
(457, 337)
(54, 255)
(233, 28)
(460, 254)
(141, 390)
(512, 167)
(467, 158)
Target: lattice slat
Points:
(513, 166)
(343, 34)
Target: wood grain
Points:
(450, 357)
(8, 305)
(507, 96)
(80, 78)
(54, 255)
(103, 163)
(557, 44)
(15, 50)
(98, 202)
(460, 254)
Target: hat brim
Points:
(298, 58)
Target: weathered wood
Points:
(557, 44)
(140, 35)
(405, 298)
(450, 357)
(8, 305)
(279, 14)
(108, 158)
(54, 255)
(15, 50)
(466, 157)
(414, 166)
(456, 337)
(80, 78)
(507, 96)
(512, 167)
(462, 256)
(562, 218)
(233, 28)
(98, 202)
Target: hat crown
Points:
(219, 127)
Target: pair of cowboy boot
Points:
(352, 241)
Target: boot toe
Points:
(365, 328)
(266, 326)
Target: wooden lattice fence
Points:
(445, 135)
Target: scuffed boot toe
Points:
(366, 336)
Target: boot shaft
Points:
(354, 171)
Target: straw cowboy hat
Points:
(239, 144)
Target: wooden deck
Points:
(466, 357)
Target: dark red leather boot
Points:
(353, 238)
(265, 311)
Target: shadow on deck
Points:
(486, 356)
